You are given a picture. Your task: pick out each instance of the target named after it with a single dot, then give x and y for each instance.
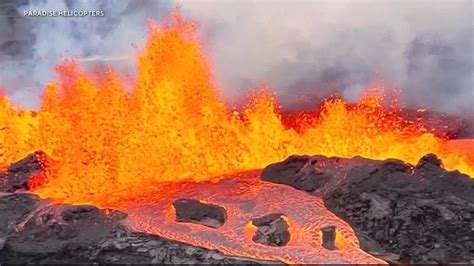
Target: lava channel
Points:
(245, 197)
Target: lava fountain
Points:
(115, 147)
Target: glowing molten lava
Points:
(108, 144)
(246, 197)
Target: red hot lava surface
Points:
(245, 197)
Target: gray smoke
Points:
(30, 54)
(305, 50)
(314, 48)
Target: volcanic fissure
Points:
(355, 183)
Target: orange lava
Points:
(466, 146)
(108, 143)
(245, 197)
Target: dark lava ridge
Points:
(400, 212)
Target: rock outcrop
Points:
(193, 211)
(420, 213)
(272, 230)
(20, 175)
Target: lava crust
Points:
(193, 211)
(272, 230)
(409, 213)
(24, 173)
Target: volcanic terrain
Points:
(166, 172)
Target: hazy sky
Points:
(305, 48)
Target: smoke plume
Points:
(305, 50)
(28, 57)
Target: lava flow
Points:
(245, 196)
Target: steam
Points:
(313, 48)
(44, 41)
(305, 50)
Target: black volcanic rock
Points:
(34, 231)
(297, 171)
(428, 160)
(14, 209)
(20, 174)
(420, 213)
(422, 216)
(329, 237)
(55, 228)
(272, 230)
(193, 211)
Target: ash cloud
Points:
(305, 50)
